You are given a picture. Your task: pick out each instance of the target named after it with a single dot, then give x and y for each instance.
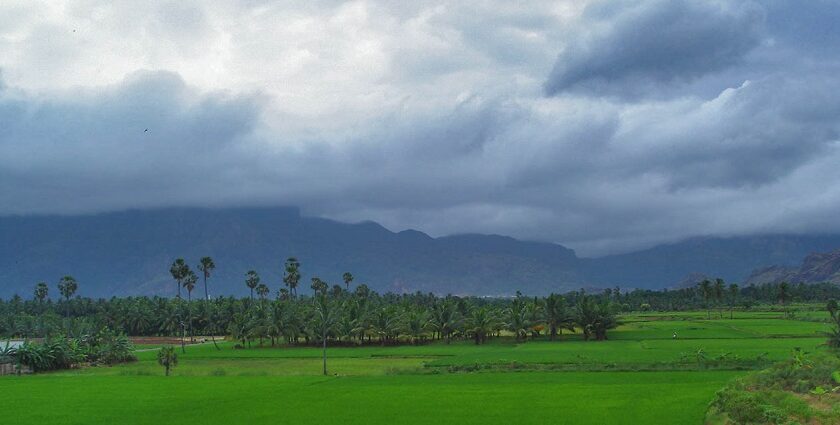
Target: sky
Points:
(606, 126)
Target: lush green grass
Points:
(412, 384)
(488, 398)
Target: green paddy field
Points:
(641, 375)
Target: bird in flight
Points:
(146, 130)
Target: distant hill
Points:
(128, 253)
(732, 258)
(816, 267)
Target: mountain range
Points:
(129, 253)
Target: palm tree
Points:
(481, 322)
(706, 291)
(385, 323)
(41, 292)
(444, 319)
(189, 283)
(167, 357)
(206, 266)
(319, 286)
(67, 286)
(252, 279)
(262, 292)
(557, 316)
(178, 270)
(719, 289)
(347, 277)
(517, 320)
(833, 333)
(594, 318)
(733, 298)
(291, 278)
(784, 295)
(416, 323)
(325, 321)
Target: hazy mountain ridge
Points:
(128, 253)
(816, 267)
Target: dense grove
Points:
(351, 313)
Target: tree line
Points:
(354, 314)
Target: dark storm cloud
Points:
(628, 48)
(147, 141)
(666, 120)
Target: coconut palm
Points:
(291, 278)
(718, 291)
(319, 286)
(206, 266)
(189, 283)
(67, 286)
(594, 318)
(480, 323)
(706, 291)
(252, 279)
(167, 357)
(784, 296)
(347, 277)
(733, 298)
(415, 324)
(516, 320)
(445, 319)
(326, 317)
(178, 270)
(557, 316)
(41, 292)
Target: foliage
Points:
(768, 396)
(168, 358)
(105, 347)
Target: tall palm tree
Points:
(41, 292)
(252, 279)
(706, 292)
(67, 286)
(189, 283)
(291, 278)
(733, 298)
(719, 289)
(178, 270)
(325, 320)
(347, 277)
(262, 292)
(206, 266)
(319, 286)
(784, 296)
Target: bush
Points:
(766, 397)
(105, 347)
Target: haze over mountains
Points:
(129, 253)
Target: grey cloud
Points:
(597, 173)
(633, 48)
(90, 150)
